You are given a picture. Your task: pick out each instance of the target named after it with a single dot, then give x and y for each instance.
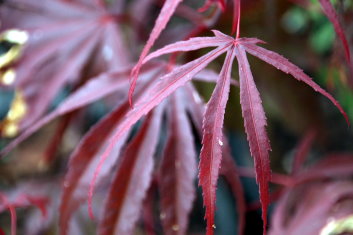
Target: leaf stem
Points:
(238, 19)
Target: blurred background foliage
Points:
(302, 34)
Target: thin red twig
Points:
(238, 20)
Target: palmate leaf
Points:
(178, 169)
(254, 117)
(46, 89)
(85, 159)
(83, 27)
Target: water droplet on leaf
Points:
(220, 142)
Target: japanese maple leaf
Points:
(136, 162)
(253, 114)
(63, 36)
(123, 118)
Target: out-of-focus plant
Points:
(90, 48)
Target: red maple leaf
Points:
(63, 36)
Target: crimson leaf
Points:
(132, 179)
(84, 160)
(178, 170)
(286, 66)
(161, 22)
(255, 122)
(212, 142)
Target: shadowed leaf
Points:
(178, 170)
(132, 179)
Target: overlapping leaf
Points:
(86, 167)
(178, 169)
(132, 179)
